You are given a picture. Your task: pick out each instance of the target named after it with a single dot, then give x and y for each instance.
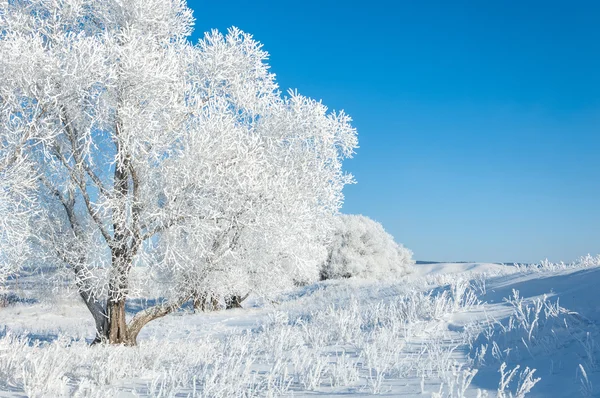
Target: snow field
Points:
(485, 330)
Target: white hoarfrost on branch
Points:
(360, 247)
(22, 133)
(17, 207)
(180, 161)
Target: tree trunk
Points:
(118, 332)
(95, 307)
(235, 301)
(99, 314)
(199, 302)
(215, 303)
(202, 302)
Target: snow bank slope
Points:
(553, 325)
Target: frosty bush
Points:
(360, 247)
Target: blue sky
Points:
(478, 122)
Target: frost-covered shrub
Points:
(360, 247)
(587, 261)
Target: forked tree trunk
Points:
(121, 332)
(113, 328)
(125, 242)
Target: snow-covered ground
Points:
(447, 330)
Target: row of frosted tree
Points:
(125, 147)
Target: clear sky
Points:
(478, 121)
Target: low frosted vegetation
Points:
(440, 335)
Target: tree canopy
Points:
(153, 152)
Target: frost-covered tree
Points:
(360, 247)
(174, 159)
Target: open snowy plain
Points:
(446, 330)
